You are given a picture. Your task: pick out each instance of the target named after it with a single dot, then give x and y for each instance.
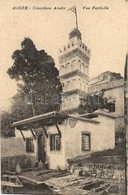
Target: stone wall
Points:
(99, 165)
(12, 146)
(13, 150)
(105, 171)
(117, 160)
(9, 163)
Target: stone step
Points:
(101, 188)
(93, 185)
(25, 179)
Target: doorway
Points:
(41, 148)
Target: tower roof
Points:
(75, 32)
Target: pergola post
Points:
(45, 131)
(33, 133)
(22, 134)
(58, 129)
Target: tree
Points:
(6, 121)
(41, 86)
(92, 102)
(19, 108)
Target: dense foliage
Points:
(6, 121)
(41, 86)
(39, 89)
(92, 102)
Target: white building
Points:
(55, 137)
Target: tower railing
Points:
(70, 46)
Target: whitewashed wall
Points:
(27, 134)
(102, 137)
(12, 146)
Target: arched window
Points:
(83, 66)
(79, 81)
(86, 69)
(74, 83)
(67, 67)
(62, 69)
(67, 84)
(86, 87)
(83, 85)
(73, 65)
(79, 64)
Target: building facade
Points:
(53, 138)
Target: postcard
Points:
(64, 97)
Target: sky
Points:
(104, 31)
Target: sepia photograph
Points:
(64, 97)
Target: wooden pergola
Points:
(40, 121)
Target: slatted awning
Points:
(40, 121)
(47, 119)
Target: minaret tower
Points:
(74, 66)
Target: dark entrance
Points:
(41, 148)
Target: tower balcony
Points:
(73, 73)
(72, 45)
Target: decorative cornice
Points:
(73, 91)
(74, 72)
(107, 85)
(72, 54)
(70, 110)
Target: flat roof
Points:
(83, 119)
(98, 112)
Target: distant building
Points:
(105, 77)
(112, 84)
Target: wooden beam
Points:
(33, 133)
(22, 134)
(45, 131)
(58, 129)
